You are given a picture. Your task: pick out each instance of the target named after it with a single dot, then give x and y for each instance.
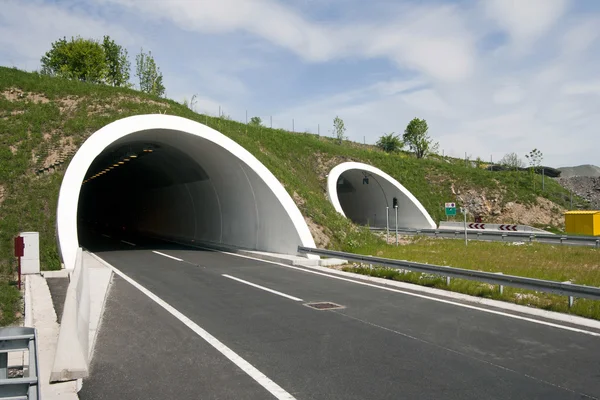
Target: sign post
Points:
(19, 252)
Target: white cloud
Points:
(525, 20)
(424, 38)
(28, 29)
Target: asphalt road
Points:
(381, 345)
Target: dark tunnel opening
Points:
(120, 189)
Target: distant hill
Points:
(581, 170)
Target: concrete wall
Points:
(366, 203)
(241, 204)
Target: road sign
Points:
(450, 209)
(476, 226)
(508, 228)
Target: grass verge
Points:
(578, 265)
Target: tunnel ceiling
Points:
(142, 165)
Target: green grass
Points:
(53, 111)
(579, 265)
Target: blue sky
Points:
(490, 77)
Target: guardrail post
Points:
(597, 243)
(561, 240)
(503, 236)
(571, 298)
(530, 238)
(479, 235)
(501, 287)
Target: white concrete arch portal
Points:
(222, 195)
(362, 192)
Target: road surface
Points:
(383, 344)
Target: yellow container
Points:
(583, 222)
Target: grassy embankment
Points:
(43, 120)
(579, 265)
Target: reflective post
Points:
(387, 224)
(464, 211)
(396, 225)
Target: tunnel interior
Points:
(176, 186)
(369, 198)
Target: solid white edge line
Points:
(106, 236)
(166, 255)
(262, 288)
(244, 365)
(129, 243)
(519, 317)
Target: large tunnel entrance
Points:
(175, 179)
(367, 196)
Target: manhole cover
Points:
(324, 305)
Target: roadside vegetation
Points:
(576, 264)
(45, 117)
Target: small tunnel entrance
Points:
(167, 177)
(367, 196)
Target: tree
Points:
(255, 121)
(512, 161)
(117, 63)
(417, 139)
(149, 74)
(535, 158)
(80, 59)
(390, 143)
(339, 129)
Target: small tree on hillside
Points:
(512, 161)
(417, 139)
(339, 129)
(149, 75)
(255, 121)
(390, 143)
(535, 158)
(80, 59)
(117, 63)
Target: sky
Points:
(490, 77)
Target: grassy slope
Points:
(579, 265)
(53, 111)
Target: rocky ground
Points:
(587, 187)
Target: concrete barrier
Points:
(490, 227)
(71, 360)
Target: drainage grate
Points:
(324, 305)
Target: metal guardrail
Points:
(19, 339)
(591, 240)
(561, 288)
